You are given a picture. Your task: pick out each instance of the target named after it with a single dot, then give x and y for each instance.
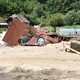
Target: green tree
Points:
(36, 14)
(2, 7)
(78, 17)
(71, 18)
(42, 1)
(49, 6)
(38, 10)
(12, 8)
(55, 20)
(29, 5)
(65, 5)
(42, 21)
(75, 5)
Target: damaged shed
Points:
(18, 17)
(23, 34)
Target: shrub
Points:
(78, 17)
(71, 18)
(56, 20)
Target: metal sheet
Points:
(16, 30)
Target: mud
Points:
(49, 62)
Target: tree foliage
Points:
(72, 17)
(55, 20)
(42, 11)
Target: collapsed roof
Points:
(23, 34)
(18, 17)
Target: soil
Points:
(49, 62)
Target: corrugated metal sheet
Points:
(48, 40)
(33, 31)
(16, 30)
(33, 41)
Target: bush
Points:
(71, 18)
(78, 17)
(56, 20)
(42, 21)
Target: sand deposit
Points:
(49, 62)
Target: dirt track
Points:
(39, 63)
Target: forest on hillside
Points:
(43, 12)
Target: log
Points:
(73, 50)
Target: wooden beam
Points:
(73, 50)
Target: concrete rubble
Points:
(19, 33)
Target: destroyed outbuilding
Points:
(18, 17)
(20, 33)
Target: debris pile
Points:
(20, 33)
(16, 30)
(75, 46)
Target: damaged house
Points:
(18, 17)
(19, 33)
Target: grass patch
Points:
(1, 20)
(73, 26)
(2, 29)
(50, 28)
